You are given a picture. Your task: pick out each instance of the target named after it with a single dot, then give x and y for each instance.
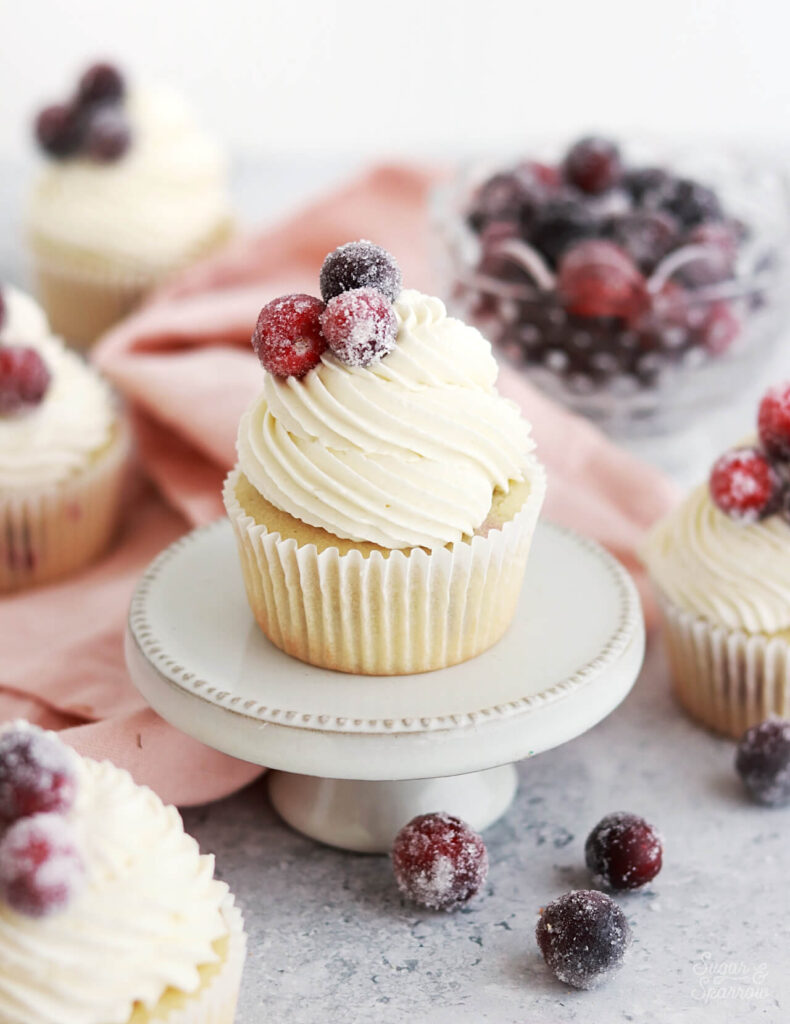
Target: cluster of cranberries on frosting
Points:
(40, 864)
(92, 123)
(24, 378)
(623, 851)
(583, 936)
(355, 319)
(587, 251)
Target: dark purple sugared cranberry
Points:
(717, 262)
(642, 182)
(763, 762)
(101, 83)
(560, 223)
(107, 134)
(773, 421)
(511, 196)
(24, 378)
(360, 265)
(745, 485)
(593, 165)
(439, 861)
(287, 338)
(689, 201)
(598, 279)
(36, 774)
(583, 937)
(623, 851)
(40, 865)
(59, 130)
(646, 235)
(360, 326)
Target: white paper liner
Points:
(376, 615)
(50, 532)
(726, 678)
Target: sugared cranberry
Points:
(24, 378)
(646, 235)
(689, 201)
(559, 224)
(583, 937)
(593, 165)
(597, 279)
(745, 485)
(101, 83)
(360, 265)
(717, 327)
(623, 851)
(511, 196)
(763, 762)
(773, 421)
(360, 326)
(717, 262)
(288, 339)
(439, 861)
(642, 182)
(40, 865)
(36, 774)
(107, 135)
(59, 130)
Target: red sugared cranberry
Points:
(101, 83)
(763, 762)
(773, 421)
(718, 327)
(24, 378)
(288, 338)
(593, 165)
(439, 861)
(40, 865)
(720, 245)
(59, 130)
(745, 485)
(583, 937)
(623, 851)
(107, 135)
(360, 326)
(360, 265)
(36, 774)
(597, 279)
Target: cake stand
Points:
(356, 757)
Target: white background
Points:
(415, 76)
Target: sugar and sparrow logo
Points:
(729, 979)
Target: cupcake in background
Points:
(64, 451)
(720, 564)
(132, 190)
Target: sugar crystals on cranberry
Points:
(439, 861)
(360, 265)
(593, 165)
(583, 937)
(24, 378)
(623, 851)
(40, 865)
(36, 774)
(745, 485)
(763, 762)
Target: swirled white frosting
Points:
(45, 444)
(149, 210)
(24, 319)
(729, 573)
(404, 453)
(144, 920)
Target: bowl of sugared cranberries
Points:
(632, 285)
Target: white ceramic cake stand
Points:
(358, 756)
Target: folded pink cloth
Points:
(185, 365)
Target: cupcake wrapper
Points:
(53, 531)
(376, 615)
(725, 678)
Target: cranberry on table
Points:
(59, 130)
(40, 866)
(36, 774)
(583, 937)
(623, 851)
(287, 338)
(439, 861)
(745, 485)
(24, 378)
(593, 165)
(360, 265)
(598, 279)
(101, 83)
(360, 326)
(773, 421)
(763, 762)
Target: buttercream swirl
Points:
(23, 320)
(729, 573)
(404, 453)
(149, 210)
(144, 921)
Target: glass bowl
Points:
(700, 321)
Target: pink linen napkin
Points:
(185, 365)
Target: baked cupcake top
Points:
(105, 902)
(55, 410)
(379, 420)
(131, 177)
(724, 553)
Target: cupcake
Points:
(109, 914)
(720, 564)
(132, 191)
(64, 448)
(385, 495)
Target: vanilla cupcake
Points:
(720, 564)
(133, 190)
(64, 449)
(385, 496)
(109, 914)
